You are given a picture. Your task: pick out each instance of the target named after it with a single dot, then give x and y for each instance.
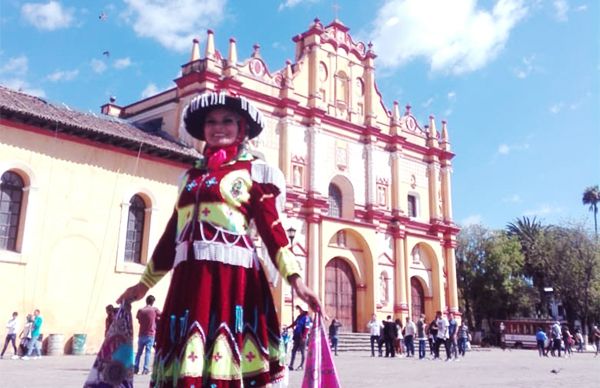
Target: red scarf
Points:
(216, 156)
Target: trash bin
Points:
(56, 344)
(79, 344)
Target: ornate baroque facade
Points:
(368, 189)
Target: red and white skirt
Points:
(218, 328)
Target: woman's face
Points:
(221, 127)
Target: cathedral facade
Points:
(368, 207)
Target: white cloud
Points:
(448, 112)
(50, 16)
(173, 24)
(452, 95)
(561, 10)
(428, 103)
(557, 107)
(150, 90)
(581, 8)
(515, 198)
(453, 36)
(13, 73)
(122, 63)
(98, 66)
(526, 68)
(22, 86)
(505, 149)
(293, 3)
(16, 66)
(473, 219)
(66, 75)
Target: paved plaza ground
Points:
(484, 368)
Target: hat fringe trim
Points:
(212, 99)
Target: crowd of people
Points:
(29, 338)
(558, 341)
(399, 339)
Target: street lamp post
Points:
(291, 233)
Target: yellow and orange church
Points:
(84, 197)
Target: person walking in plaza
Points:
(555, 333)
(579, 340)
(334, 331)
(219, 301)
(147, 317)
(301, 326)
(432, 330)
(541, 338)
(463, 337)
(374, 327)
(25, 335)
(442, 335)
(453, 336)
(567, 340)
(596, 339)
(34, 345)
(421, 335)
(409, 337)
(12, 326)
(390, 332)
(399, 340)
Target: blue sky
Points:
(518, 81)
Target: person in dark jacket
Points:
(334, 330)
(390, 332)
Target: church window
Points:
(135, 229)
(412, 205)
(335, 201)
(11, 201)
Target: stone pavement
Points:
(493, 368)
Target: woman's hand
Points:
(133, 293)
(306, 294)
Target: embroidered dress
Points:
(219, 327)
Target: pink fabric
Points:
(319, 371)
(216, 160)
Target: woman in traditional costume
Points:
(219, 326)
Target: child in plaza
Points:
(220, 325)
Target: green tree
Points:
(490, 275)
(591, 197)
(573, 269)
(470, 255)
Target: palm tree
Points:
(591, 196)
(529, 232)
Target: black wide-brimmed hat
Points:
(196, 111)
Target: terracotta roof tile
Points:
(22, 107)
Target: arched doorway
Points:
(417, 305)
(340, 293)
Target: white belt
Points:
(216, 251)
